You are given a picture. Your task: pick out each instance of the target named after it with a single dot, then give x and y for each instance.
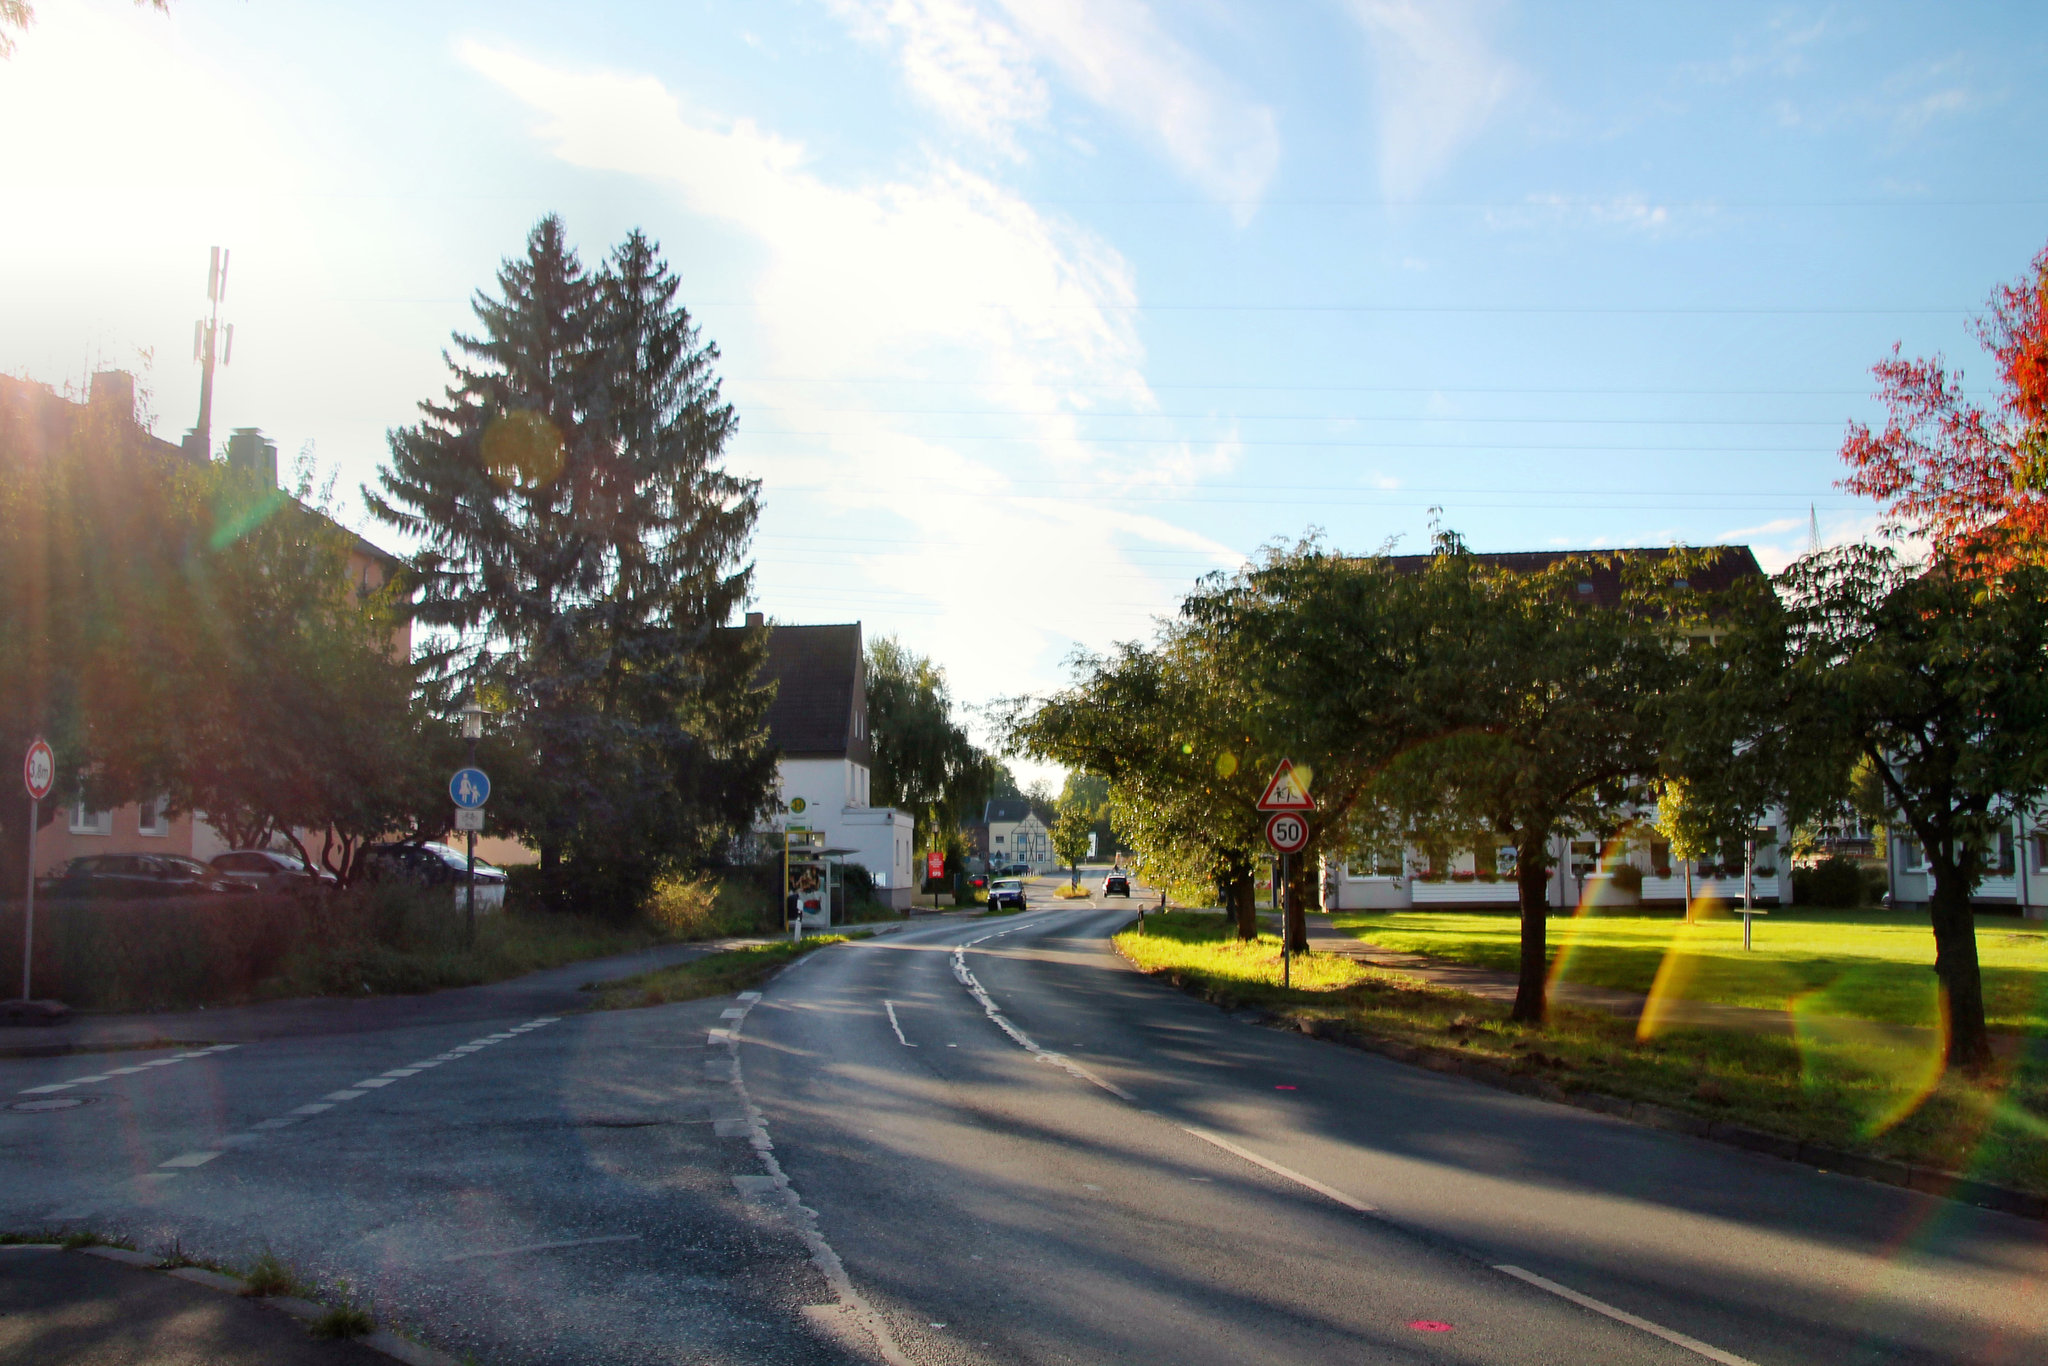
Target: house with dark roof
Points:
(1584, 871)
(819, 724)
(1016, 834)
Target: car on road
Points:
(271, 870)
(133, 876)
(1117, 883)
(1013, 870)
(1004, 892)
(436, 865)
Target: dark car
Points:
(435, 865)
(1118, 883)
(1005, 892)
(131, 876)
(270, 870)
(977, 880)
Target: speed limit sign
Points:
(39, 770)
(1286, 832)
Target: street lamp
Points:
(472, 730)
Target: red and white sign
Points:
(1286, 832)
(934, 866)
(1285, 791)
(39, 769)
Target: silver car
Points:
(1005, 892)
(270, 870)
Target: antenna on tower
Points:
(205, 334)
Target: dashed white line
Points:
(190, 1159)
(890, 1006)
(1676, 1339)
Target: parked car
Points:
(271, 870)
(133, 876)
(977, 880)
(1005, 892)
(1013, 870)
(1116, 883)
(436, 865)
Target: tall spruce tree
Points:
(582, 552)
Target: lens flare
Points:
(1226, 764)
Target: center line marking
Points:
(1711, 1353)
(890, 1006)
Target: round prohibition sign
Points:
(38, 770)
(1286, 832)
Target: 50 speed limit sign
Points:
(1286, 832)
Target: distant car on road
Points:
(1117, 883)
(133, 876)
(270, 870)
(436, 865)
(1005, 892)
(1013, 870)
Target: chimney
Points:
(114, 391)
(756, 619)
(253, 453)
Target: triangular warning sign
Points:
(1285, 792)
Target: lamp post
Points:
(472, 730)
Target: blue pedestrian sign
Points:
(470, 788)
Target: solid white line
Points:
(1623, 1316)
(45, 1090)
(967, 979)
(1328, 1192)
(543, 1247)
(190, 1160)
(890, 1006)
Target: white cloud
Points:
(1438, 82)
(943, 274)
(962, 62)
(1115, 53)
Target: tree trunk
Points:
(1241, 893)
(1955, 965)
(1292, 902)
(1532, 884)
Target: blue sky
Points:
(1035, 311)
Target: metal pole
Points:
(28, 926)
(1286, 963)
(472, 862)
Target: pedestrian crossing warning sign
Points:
(1286, 791)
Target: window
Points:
(1585, 857)
(1910, 857)
(998, 839)
(2041, 851)
(84, 822)
(2005, 854)
(1506, 859)
(153, 818)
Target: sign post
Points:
(1286, 797)
(934, 869)
(38, 772)
(471, 788)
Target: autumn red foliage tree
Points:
(1971, 481)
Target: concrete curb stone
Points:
(306, 1311)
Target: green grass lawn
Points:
(1848, 1090)
(1869, 964)
(715, 974)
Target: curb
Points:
(1884, 1171)
(381, 1340)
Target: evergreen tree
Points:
(582, 551)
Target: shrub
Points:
(1627, 878)
(1832, 882)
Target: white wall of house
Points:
(834, 793)
(1026, 841)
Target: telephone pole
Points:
(206, 334)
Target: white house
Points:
(1017, 835)
(819, 721)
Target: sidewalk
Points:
(72, 1309)
(549, 991)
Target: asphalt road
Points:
(1114, 1171)
(982, 1140)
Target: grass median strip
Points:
(715, 974)
(1857, 1091)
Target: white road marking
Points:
(890, 1006)
(372, 1082)
(190, 1159)
(275, 1123)
(750, 996)
(408, 1070)
(1024, 1041)
(1690, 1344)
(1327, 1192)
(543, 1247)
(341, 1095)
(122, 1071)
(732, 1013)
(80, 1081)
(313, 1109)
(45, 1090)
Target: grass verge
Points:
(1864, 964)
(715, 974)
(1068, 892)
(1858, 1092)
